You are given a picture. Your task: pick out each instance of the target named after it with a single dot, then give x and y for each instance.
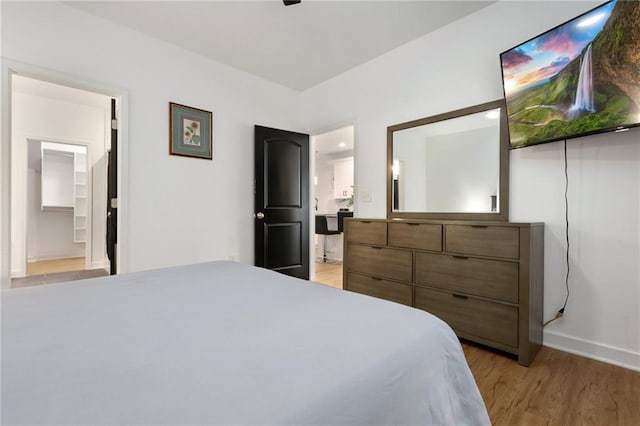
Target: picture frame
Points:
(190, 131)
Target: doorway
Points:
(60, 136)
(333, 192)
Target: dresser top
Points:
(452, 222)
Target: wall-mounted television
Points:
(579, 78)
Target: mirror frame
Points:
(503, 213)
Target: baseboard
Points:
(54, 257)
(18, 273)
(598, 351)
(329, 260)
(329, 257)
(98, 265)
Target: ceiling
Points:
(30, 86)
(338, 142)
(296, 46)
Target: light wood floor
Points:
(557, 389)
(55, 265)
(329, 274)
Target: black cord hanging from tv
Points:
(560, 312)
(566, 218)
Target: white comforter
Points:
(226, 343)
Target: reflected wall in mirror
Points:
(450, 166)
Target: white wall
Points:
(324, 188)
(412, 179)
(179, 210)
(44, 118)
(468, 163)
(458, 66)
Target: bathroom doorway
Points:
(60, 137)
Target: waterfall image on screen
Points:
(584, 92)
(580, 78)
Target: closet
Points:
(64, 183)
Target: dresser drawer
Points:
(481, 277)
(366, 232)
(380, 261)
(481, 318)
(377, 287)
(422, 236)
(495, 241)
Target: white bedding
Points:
(226, 343)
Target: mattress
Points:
(226, 343)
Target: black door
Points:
(112, 193)
(282, 201)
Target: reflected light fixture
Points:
(493, 114)
(395, 169)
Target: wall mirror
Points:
(450, 166)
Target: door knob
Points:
(259, 215)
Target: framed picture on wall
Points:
(190, 131)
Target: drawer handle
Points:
(376, 279)
(459, 257)
(413, 224)
(376, 248)
(365, 221)
(459, 296)
(479, 226)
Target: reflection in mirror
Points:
(461, 152)
(453, 165)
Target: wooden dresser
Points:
(485, 279)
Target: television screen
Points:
(580, 78)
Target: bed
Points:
(226, 343)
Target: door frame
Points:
(11, 67)
(312, 189)
(88, 244)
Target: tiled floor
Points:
(58, 277)
(56, 271)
